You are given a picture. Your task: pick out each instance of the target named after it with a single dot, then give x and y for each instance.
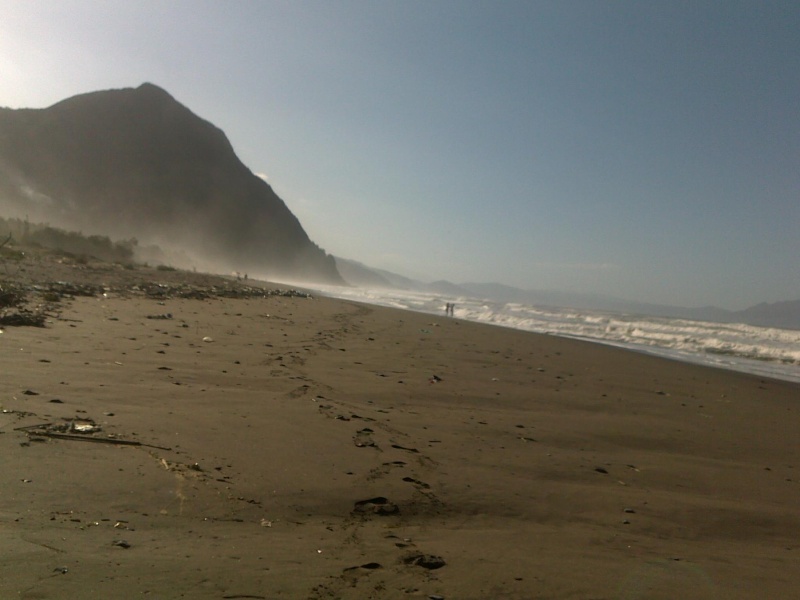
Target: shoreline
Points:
(322, 448)
(762, 367)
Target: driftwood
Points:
(88, 438)
(84, 438)
(35, 430)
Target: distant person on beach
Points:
(447, 309)
(452, 309)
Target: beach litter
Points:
(84, 427)
(81, 430)
(22, 318)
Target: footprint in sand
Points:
(370, 566)
(379, 506)
(399, 447)
(426, 561)
(417, 482)
(363, 438)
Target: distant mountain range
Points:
(136, 163)
(784, 315)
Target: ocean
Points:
(764, 351)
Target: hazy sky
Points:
(649, 150)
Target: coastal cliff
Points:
(137, 163)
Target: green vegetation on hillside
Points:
(74, 243)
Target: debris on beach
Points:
(20, 317)
(67, 289)
(31, 304)
(187, 291)
(78, 429)
(14, 309)
(84, 426)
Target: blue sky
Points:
(648, 150)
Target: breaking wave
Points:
(763, 351)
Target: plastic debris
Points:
(85, 427)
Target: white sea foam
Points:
(760, 350)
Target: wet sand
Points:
(292, 447)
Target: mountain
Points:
(137, 163)
(359, 275)
(785, 315)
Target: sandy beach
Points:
(294, 447)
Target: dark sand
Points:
(535, 467)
